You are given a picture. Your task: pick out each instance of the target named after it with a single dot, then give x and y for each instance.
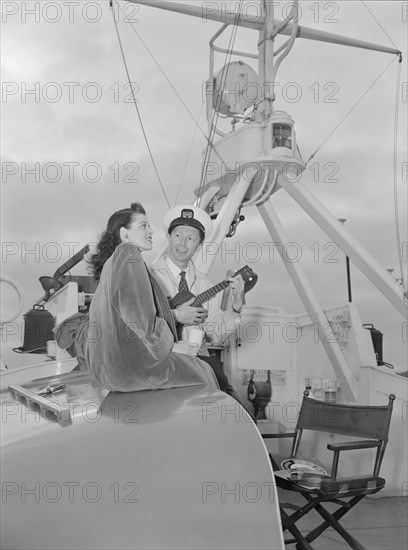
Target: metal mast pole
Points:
(259, 114)
(265, 70)
(268, 59)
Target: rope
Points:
(349, 111)
(137, 108)
(395, 168)
(379, 24)
(215, 116)
(196, 122)
(189, 153)
(187, 160)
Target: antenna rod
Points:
(209, 11)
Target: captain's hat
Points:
(186, 214)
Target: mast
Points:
(261, 157)
(266, 61)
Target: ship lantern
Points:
(283, 147)
(283, 133)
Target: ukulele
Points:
(250, 279)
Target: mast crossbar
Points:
(208, 11)
(235, 52)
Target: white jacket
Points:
(220, 324)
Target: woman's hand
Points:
(185, 348)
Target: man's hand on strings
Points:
(237, 286)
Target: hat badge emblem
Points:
(187, 213)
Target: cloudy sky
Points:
(73, 150)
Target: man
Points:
(186, 228)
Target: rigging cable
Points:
(197, 123)
(379, 24)
(215, 116)
(395, 156)
(210, 143)
(368, 89)
(349, 111)
(397, 224)
(137, 108)
(188, 158)
(395, 178)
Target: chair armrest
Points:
(278, 436)
(351, 445)
(348, 446)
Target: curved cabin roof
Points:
(164, 469)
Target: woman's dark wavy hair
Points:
(110, 238)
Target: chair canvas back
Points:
(352, 420)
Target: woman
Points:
(132, 341)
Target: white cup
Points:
(51, 349)
(195, 336)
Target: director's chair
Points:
(310, 480)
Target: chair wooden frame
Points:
(356, 421)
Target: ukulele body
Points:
(181, 298)
(250, 278)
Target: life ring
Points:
(20, 305)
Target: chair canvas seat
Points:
(322, 484)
